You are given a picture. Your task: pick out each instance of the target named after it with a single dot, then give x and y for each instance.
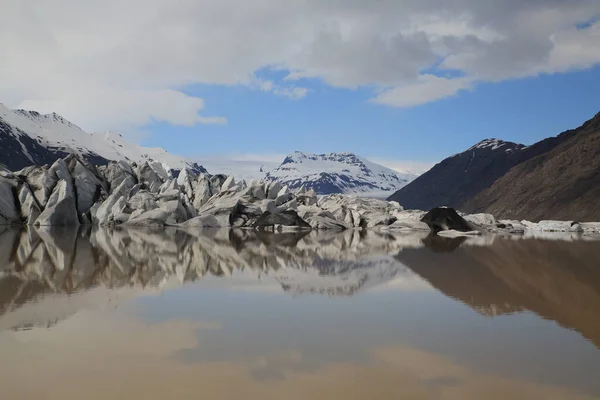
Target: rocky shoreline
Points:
(73, 192)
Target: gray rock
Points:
(286, 218)
(142, 200)
(406, 225)
(187, 181)
(135, 190)
(343, 214)
(159, 169)
(94, 211)
(136, 213)
(169, 206)
(149, 178)
(577, 228)
(216, 183)
(307, 199)
(228, 184)
(268, 205)
(301, 190)
(41, 182)
(201, 192)
(283, 198)
(481, 219)
(30, 209)
(104, 211)
(326, 223)
(117, 172)
(61, 170)
(188, 206)
(84, 220)
(245, 214)
(374, 220)
(221, 207)
(444, 219)
(61, 209)
(8, 209)
(207, 221)
(87, 184)
(290, 205)
(119, 207)
(307, 212)
(284, 190)
(125, 166)
(169, 194)
(258, 191)
(121, 218)
(156, 217)
(273, 189)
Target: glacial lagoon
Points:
(229, 314)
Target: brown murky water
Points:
(167, 314)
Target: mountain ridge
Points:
(514, 181)
(31, 138)
(563, 182)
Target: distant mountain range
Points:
(30, 138)
(338, 173)
(556, 178)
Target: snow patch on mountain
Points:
(240, 169)
(495, 144)
(338, 173)
(134, 152)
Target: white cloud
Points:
(114, 63)
(426, 89)
(291, 92)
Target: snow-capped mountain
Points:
(338, 173)
(28, 137)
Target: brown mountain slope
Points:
(563, 183)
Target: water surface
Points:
(228, 314)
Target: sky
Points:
(401, 82)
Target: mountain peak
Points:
(42, 119)
(495, 144)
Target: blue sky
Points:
(392, 80)
(330, 119)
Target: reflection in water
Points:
(103, 314)
(40, 262)
(557, 280)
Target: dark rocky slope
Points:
(563, 183)
(459, 178)
(556, 178)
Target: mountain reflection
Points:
(558, 280)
